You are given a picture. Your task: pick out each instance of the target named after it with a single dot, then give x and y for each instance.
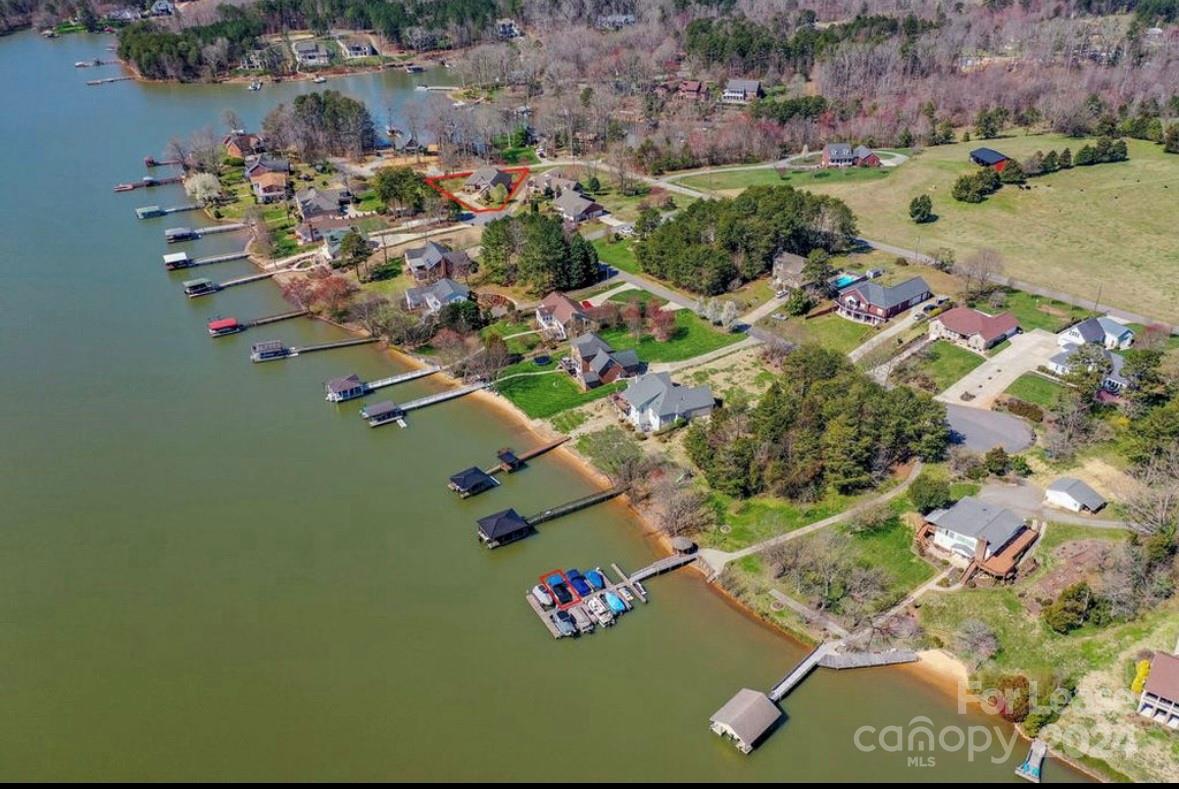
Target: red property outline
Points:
(433, 182)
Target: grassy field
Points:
(729, 182)
(693, 337)
(1036, 389)
(543, 396)
(1073, 230)
(944, 362)
(742, 523)
(1037, 312)
(619, 254)
(830, 331)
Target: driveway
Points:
(979, 430)
(991, 378)
(1027, 499)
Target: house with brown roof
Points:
(973, 328)
(269, 187)
(240, 145)
(559, 316)
(433, 261)
(1159, 701)
(691, 90)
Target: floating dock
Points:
(273, 350)
(107, 81)
(339, 394)
(221, 327)
(152, 211)
(147, 181)
(176, 234)
(213, 287)
(180, 260)
(511, 462)
(627, 588)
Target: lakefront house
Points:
(871, 302)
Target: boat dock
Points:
(222, 327)
(179, 260)
(1033, 765)
(626, 588)
(147, 181)
(360, 388)
(273, 350)
(750, 715)
(510, 462)
(442, 397)
(175, 234)
(214, 287)
(152, 211)
(107, 81)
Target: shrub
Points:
(929, 492)
(1027, 410)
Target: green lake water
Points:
(206, 572)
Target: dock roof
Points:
(748, 715)
(341, 385)
(502, 524)
(473, 478)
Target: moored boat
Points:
(542, 595)
(564, 622)
(600, 612)
(581, 619)
(615, 603)
(595, 579)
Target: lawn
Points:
(619, 254)
(543, 396)
(741, 523)
(1035, 388)
(1075, 230)
(944, 362)
(1037, 312)
(891, 549)
(693, 337)
(830, 331)
(728, 182)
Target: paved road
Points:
(980, 430)
(991, 378)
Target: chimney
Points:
(980, 550)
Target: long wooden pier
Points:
(291, 351)
(229, 283)
(401, 378)
(175, 234)
(666, 564)
(268, 319)
(107, 81)
(210, 260)
(147, 181)
(828, 655)
(152, 211)
(570, 507)
(524, 457)
(441, 397)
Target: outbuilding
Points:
(746, 718)
(471, 481)
(502, 528)
(1070, 493)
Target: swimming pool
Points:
(845, 279)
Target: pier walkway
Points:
(151, 211)
(210, 260)
(245, 280)
(401, 378)
(828, 655)
(441, 397)
(276, 318)
(666, 564)
(573, 506)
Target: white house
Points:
(1069, 493)
(1160, 695)
(741, 91)
(974, 529)
(311, 53)
(1104, 331)
(1062, 364)
(653, 402)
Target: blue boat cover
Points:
(595, 579)
(615, 603)
(554, 579)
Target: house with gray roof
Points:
(871, 302)
(356, 47)
(313, 203)
(745, 718)
(311, 53)
(576, 207)
(1103, 331)
(741, 91)
(653, 402)
(1070, 493)
(594, 363)
(433, 261)
(974, 529)
(261, 163)
(1114, 382)
(485, 179)
(432, 298)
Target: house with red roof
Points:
(973, 328)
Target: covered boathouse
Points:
(502, 528)
(746, 718)
(382, 413)
(337, 390)
(471, 481)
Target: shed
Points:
(509, 459)
(746, 718)
(502, 527)
(1072, 494)
(471, 481)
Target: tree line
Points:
(822, 425)
(533, 250)
(201, 51)
(712, 244)
(318, 124)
